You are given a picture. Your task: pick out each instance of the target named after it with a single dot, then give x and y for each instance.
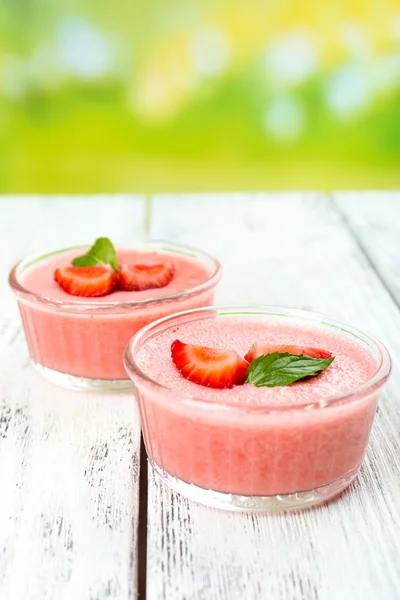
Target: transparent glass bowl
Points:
(80, 343)
(256, 458)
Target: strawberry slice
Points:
(145, 277)
(258, 349)
(209, 367)
(93, 281)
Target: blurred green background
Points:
(99, 96)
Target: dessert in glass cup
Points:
(256, 408)
(79, 306)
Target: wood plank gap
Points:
(147, 215)
(347, 225)
(142, 527)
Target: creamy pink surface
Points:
(352, 365)
(189, 273)
(91, 343)
(241, 448)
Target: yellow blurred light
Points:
(210, 52)
(165, 81)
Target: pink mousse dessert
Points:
(259, 443)
(77, 327)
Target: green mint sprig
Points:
(282, 368)
(101, 253)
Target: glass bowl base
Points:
(73, 382)
(249, 504)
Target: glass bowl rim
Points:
(88, 304)
(366, 388)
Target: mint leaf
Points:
(101, 253)
(282, 368)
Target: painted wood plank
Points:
(374, 217)
(32, 224)
(294, 250)
(69, 461)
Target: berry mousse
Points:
(263, 406)
(80, 306)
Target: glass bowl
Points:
(256, 458)
(80, 342)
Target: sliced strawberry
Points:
(145, 277)
(258, 349)
(209, 367)
(87, 281)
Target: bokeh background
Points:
(100, 96)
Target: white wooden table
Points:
(70, 463)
